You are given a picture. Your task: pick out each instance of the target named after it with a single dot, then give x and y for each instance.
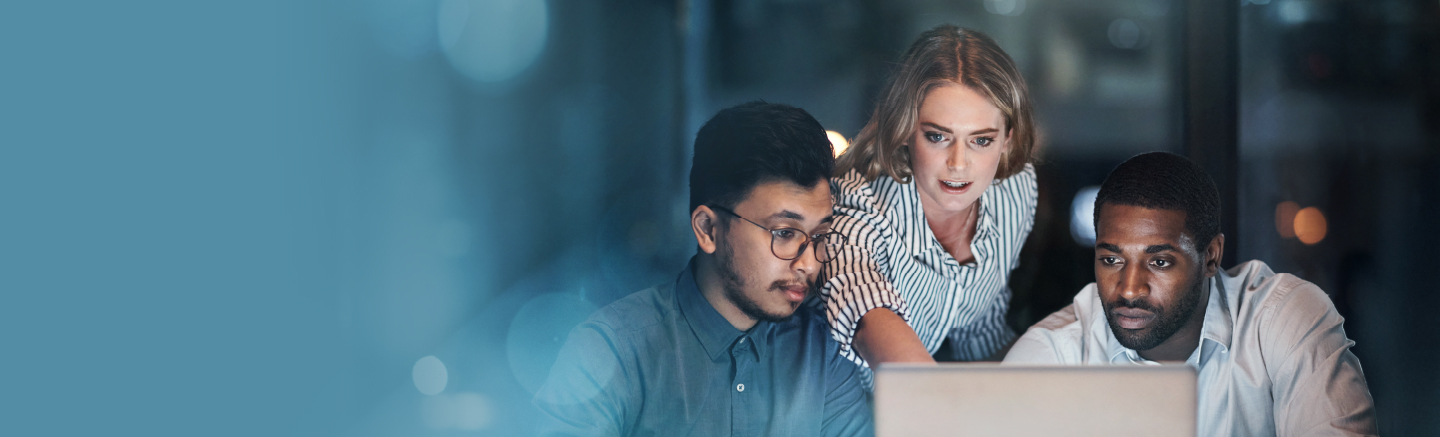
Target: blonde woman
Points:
(935, 198)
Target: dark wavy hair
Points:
(752, 143)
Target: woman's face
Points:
(959, 140)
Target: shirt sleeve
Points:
(855, 281)
(1317, 386)
(587, 391)
(847, 407)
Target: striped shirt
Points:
(892, 260)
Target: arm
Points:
(883, 337)
(867, 316)
(587, 392)
(1317, 384)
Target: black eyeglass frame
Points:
(831, 237)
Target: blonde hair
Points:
(943, 55)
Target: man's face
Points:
(760, 284)
(1148, 271)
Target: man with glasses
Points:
(726, 349)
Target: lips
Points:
(795, 293)
(1133, 318)
(954, 186)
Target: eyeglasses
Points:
(790, 243)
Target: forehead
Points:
(1123, 225)
(771, 197)
(956, 104)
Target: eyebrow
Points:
(988, 130)
(788, 214)
(1149, 249)
(1161, 248)
(938, 127)
(792, 215)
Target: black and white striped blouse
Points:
(892, 260)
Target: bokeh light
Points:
(1124, 33)
(539, 329)
(1082, 216)
(1285, 218)
(1310, 225)
(839, 141)
(1009, 8)
(430, 375)
(492, 40)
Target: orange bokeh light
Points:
(1310, 225)
(838, 141)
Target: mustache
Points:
(1139, 304)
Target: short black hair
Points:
(752, 143)
(1162, 180)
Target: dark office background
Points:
(381, 217)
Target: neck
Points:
(712, 286)
(1180, 345)
(954, 229)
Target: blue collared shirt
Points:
(663, 362)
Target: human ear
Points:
(1213, 252)
(703, 223)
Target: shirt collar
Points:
(920, 239)
(1218, 321)
(715, 333)
(1216, 328)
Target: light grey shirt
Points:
(1273, 358)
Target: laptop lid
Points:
(1025, 400)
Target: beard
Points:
(1167, 322)
(734, 286)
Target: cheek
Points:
(990, 160)
(923, 159)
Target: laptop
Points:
(1025, 400)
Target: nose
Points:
(1132, 282)
(958, 158)
(807, 263)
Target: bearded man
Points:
(1270, 350)
(726, 349)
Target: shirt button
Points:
(740, 387)
(742, 340)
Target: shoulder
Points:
(640, 311)
(1019, 191)
(853, 194)
(864, 209)
(1272, 295)
(1060, 337)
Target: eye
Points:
(1161, 263)
(934, 137)
(984, 141)
(785, 234)
(1109, 260)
